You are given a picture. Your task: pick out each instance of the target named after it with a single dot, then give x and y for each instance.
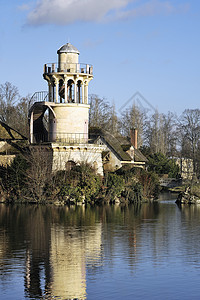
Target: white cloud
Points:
(70, 11)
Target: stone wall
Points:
(111, 163)
(82, 153)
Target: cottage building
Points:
(119, 151)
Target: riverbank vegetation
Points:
(29, 179)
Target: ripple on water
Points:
(144, 252)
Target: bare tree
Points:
(9, 96)
(170, 134)
(189, 130)
(21, 120)
(14, 109)
(155, 133)
(113, 124)
(133, 117)
(99, 111)
(38, 173)
(102, 114)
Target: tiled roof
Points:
(139, 156)
(119, 145)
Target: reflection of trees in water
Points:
(52, 239)
(189, 243)
(60, 243)
(42, 231)
(27, 229)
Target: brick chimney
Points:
(133, 134)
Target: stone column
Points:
(50, 91)
(53, 92)
(79, 92)
(75, 91)
(56, 90)
(86, 93)
(83, 92)
(65, 89)
(31, 129)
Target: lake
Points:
(148, 251)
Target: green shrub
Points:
(160, 164)
(114, 185)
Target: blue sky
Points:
(150, 46)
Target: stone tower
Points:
(67, 99)
(59, 117)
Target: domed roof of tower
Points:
(68, 48)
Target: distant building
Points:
(186, 167)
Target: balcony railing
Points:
(57, 137)
(39, 96)
(68, 68)
(70, 138)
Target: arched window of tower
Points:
(70, 91)
(79, 92)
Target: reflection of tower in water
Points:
(59, 268)
(71, 250)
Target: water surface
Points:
(148, 251)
